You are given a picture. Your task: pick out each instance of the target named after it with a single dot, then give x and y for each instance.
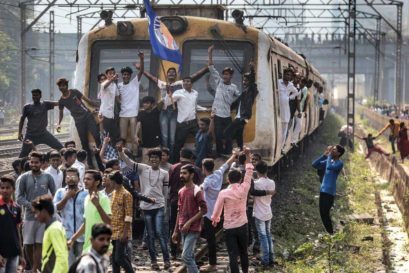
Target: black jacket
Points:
(245, 101)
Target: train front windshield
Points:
(232, 54)
(119, 54)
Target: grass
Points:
(301, 244)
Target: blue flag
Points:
(162, 42)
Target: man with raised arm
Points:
(72, 99)
(129, 98)
(37, 121)
(169, 112)
(233, 200)
(226, 93)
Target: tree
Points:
(8, 68)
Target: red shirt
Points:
(190, 202)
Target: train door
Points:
(275, 68)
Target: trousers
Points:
(326, 202)
(44, 138)
(236, 243)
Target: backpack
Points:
(73, 267)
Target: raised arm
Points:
(107, 139)
(108, 81)
(142, 65)
(214, 78)
(196, 76)
(211, 125)
(124, 157)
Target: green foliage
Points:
(8, 68)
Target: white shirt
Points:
(164, 91)
(107, 96)
(187, 104)
(57, 176)
(81, 169)
(262, 204)
(286, 92)
(129, 98)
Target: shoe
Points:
(143, 246)
(155, 267)
(166, 265)
(208, 268)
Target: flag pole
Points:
(167, 85)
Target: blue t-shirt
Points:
(332, 170)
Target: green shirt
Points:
(92, 217)
(55, 251)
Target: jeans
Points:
(154, 227)
(392, 140)
(252, 231)
(266, 242)
(111, 127)
(183, 130)
(326, 202)
(84, 126)
(236, 242)
(234, 131)
(119, 257)
(172, 224)
(44, 138)
(168, 126)
(75, 252)
(210, 233)
(188, 255)
(220, 125)
(10, 265)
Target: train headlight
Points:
(238, 16)
(175, 24)
(106, 15)
(124, 28)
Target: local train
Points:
(117, 45)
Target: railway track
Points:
(10, 150)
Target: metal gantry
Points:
(351, 46)
(51, 60)
(301, 17)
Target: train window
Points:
(280, 75)
(120, 54)
(276, 75)
(195, 58)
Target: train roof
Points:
(278, 47)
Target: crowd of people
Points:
(391, 111)
(66, 209)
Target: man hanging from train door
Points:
(244, 108)
(285, 88)
(300, 109)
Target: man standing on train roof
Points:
(37, 121)
(129, 98)
(226, 93)
(168, 115)
(72, 99)
(285, 88)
